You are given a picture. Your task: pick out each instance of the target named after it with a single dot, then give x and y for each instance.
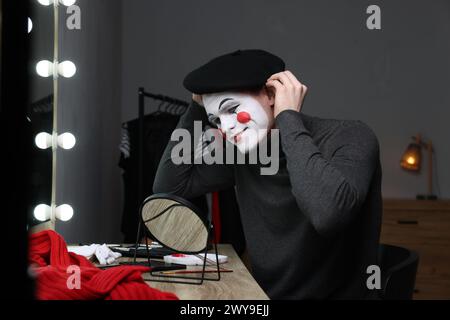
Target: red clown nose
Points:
(243, 117)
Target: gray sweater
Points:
(313, 228)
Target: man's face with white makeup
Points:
(244, 119)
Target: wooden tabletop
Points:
(236, 285)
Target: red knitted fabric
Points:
(50, 258)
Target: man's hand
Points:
(197, 98)
(289, 92)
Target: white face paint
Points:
(241, 117)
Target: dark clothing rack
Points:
(173, 106)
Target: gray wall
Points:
(89, 107)
(395, 79)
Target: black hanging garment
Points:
(158, 128)
(230, 220)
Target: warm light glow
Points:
(66, 141)
(64, 212)
(43, 140)
(67, 69)
(42, 212)
(411, 157)
(30, 25)
(411, 160)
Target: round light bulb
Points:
(67, 69)
(43, 140)
(44, 68)
(64, 212)
(45, 2)
(30, 25)
(411, 160)
(42, 212)
(67, 3)
(66, 140)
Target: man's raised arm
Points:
(189, 180)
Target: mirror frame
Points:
(53, 9)
(191, 206)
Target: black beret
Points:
(238, 70)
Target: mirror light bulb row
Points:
(46, 68)
(44, 140)
(42, 212)
(66, 3)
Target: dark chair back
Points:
(398, 272)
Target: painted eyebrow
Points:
(223, 101)
(211, 117)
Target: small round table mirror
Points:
(175, 223)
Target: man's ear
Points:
(270, 93)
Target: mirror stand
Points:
(185, 279)
(181, 227)
(181, 279)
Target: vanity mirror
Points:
(40, 113)
(46, 68)
(179, 225)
